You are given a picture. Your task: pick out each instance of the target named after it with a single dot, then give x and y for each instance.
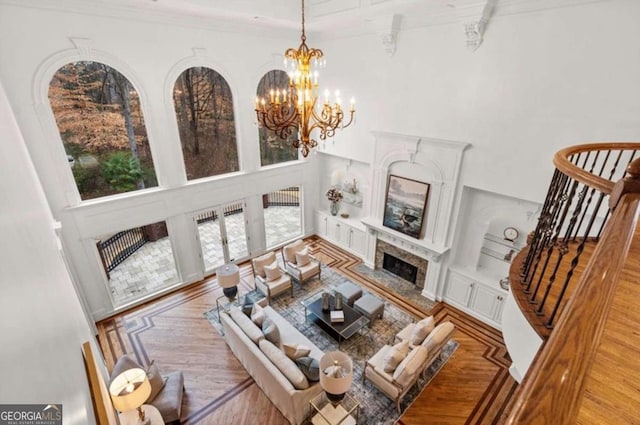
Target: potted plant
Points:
(334, 196)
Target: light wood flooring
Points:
(472, 388)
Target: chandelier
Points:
(298, 107)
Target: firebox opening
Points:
(400, 268)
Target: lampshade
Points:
(336, 374)
(130, 390)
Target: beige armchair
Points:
(270, 279)
(397, 383)
(298, 263)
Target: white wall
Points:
(151, 55)
(41, 321)
(540, 81)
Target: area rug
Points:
(375, 407)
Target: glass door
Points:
(222, 235)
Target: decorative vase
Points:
(325, 302)
(338, 301)
(335, 206)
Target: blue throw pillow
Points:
(310, 368)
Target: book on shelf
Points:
(337, 316)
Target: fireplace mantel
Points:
(419, 247)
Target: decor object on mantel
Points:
(336, 375)
(405, 205)
(334, 196)
(295, 108)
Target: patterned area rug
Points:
(375, 407)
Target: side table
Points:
(150, 412)
(325, 413)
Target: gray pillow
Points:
(247, 306)
(309, 367)
(271, 331)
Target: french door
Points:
(222, 234)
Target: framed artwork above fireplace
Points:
(405, 204)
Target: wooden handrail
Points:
(562, 163)
(553, 388)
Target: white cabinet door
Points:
(321, 224)
(485, 302)
(357, 241)
(344, 235)
(498, 314)
(458, 290)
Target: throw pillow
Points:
(394, 356)
(257, 314)
(302, 257)
(310, 367)
(155, 380)
(260, 262)
(285, 365)
(288, 252)
(293, 350)
(410, 366)
(273, 271)
(421, 330)
(271, 331)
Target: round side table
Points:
(228, 279)
(150, 413)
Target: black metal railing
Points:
(289, 197)
(120, 246)
(573, 215)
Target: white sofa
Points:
(293, 403)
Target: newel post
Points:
(629, 184)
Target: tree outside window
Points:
(102, 128)
(273, 149)
(204, 110)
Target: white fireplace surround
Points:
(433, 161)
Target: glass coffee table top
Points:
(353, 320)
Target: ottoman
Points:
(370, 306)
(349, 292)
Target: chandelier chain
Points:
(303, 37)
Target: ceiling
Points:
(326, 18)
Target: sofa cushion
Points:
(289, 251)
(421, 330)
(272, 271)
(284, 365)
(411, 364)
(155, 380)
(302, 257)
(394, 356)
(169, 401)
(293, 350)
(260, 262)
(247, 326)
(439, 335)
(271, 331)
(310, 367)
(257, 315)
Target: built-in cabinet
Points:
(348, 234)
(478, 298)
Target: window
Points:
(273, 149)
(102, 128)
(138, 262)
(282, 215)
(204, 110)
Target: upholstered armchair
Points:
(395, 378)
(270, 279)
(299, 263)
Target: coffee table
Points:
(353, 320)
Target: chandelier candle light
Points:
(298, 106)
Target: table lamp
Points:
(336, 375)
(129, 391)
(228, 279)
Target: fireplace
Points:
(400, 268)
(387, 254)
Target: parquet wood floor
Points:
(472, 388)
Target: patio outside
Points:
(152, 267)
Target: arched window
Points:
(204, 110)
(273, 149)
(102, 128)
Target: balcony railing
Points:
(565, 295)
